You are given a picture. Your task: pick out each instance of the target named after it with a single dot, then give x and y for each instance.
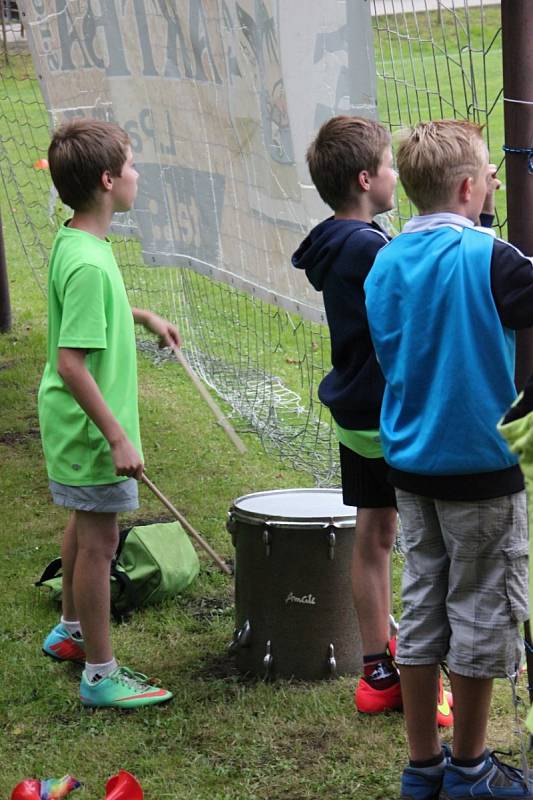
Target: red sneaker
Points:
(374, 701)
(444, 709)
(61, 646)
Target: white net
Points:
(221, 100)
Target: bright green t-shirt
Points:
(365, 443)
(88, 308)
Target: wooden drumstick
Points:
(219, 416)
(187, 525)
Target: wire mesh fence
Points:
(433, 60)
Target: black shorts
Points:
(364, 481)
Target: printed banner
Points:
(221, 100)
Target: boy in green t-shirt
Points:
(88, 401)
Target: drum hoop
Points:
(273, 521)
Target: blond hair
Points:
(344, 147)
(80, 152)
(434, 157)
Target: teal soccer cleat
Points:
(122, 688)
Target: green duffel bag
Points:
(151, 562)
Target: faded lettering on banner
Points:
(220, 99)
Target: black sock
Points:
(436, 761)
(470, 762)
(379, 670)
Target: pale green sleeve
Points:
(83, 318)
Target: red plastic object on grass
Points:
(51, 789)
(122, 786)
(27, 790)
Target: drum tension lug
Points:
(231, 526)
(241, 637)
(267, 540)
(332, 540)
(268, 662)
(332, 661)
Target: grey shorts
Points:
(465, 583)
(107, 498)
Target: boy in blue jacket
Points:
(443, 300)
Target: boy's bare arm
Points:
(167, 332)
(493, 184)
(71, 367)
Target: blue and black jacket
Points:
(337, 256)
(443, 301)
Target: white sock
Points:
(73, 627)
(95, 672)
(472, 770)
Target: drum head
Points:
(317, 505)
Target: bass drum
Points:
(294, 612)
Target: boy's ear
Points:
(363, 180)
(465, 189)
(106, 181)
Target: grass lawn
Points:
(222, 737)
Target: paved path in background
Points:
(380, 7)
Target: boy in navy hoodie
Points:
(350, 162)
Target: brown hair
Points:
(80, 152)
(343, 147)
(433, 157)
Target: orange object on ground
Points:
(41, 163)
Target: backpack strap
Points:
(53, 570)
(126, 590)
(122, 536)
(124, 582)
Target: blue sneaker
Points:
(59, 644)
(494, 780)
(417, 786)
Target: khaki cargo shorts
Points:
(465, 583)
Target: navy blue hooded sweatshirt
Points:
(337, 256)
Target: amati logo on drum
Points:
(306, 599)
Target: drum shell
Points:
(296, 594)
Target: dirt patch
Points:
(12, 438)
(221, 667)
(205, 609)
